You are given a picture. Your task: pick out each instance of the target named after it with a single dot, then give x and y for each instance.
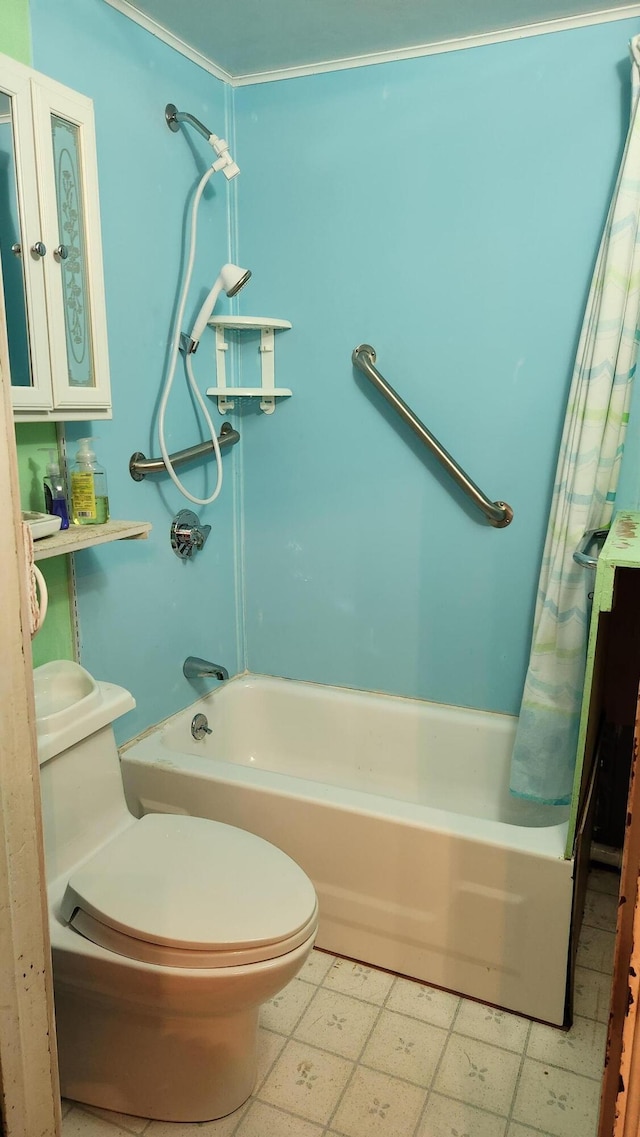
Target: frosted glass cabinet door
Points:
(50, 249)
(67, 164)
(20, 238)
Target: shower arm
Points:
(174, 117)
(224, 161)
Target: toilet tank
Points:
(83, 801)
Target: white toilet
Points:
(167, 932)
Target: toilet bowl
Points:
(167, 932)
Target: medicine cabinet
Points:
(50, 249)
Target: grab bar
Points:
(139, 466)
(498, 513)
(581, 557)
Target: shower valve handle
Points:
(188, 536)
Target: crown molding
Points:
(172, 40)
(503, 35)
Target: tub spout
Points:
(196, 668)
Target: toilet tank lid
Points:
(192, 883)
(101, 706)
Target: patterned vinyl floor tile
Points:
(347, 1050)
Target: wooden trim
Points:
(29, 1089)
(627, 1121)
(618, 1105)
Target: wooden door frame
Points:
(29, 1086)
(620, 1101)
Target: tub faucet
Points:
(196, 668)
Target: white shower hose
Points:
(173, 359)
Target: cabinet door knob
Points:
(61, 252)
(38, 249)
(16, 249)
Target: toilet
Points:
(168, 932)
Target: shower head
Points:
(230, 279)
(234, 278)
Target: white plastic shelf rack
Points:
(267, 392)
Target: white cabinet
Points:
(50, 249)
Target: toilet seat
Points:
(190, 892)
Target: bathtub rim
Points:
(246, 678)
(546, 841)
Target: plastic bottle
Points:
(89, 501)
(55, 497)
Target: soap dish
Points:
(41, 524)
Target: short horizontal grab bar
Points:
(592, 536)
(139, 466)
(498, 513)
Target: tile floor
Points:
(349, 1051)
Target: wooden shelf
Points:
(78, 537)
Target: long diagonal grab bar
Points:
(139, 466)
(497, 513)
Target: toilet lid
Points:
(192, 884)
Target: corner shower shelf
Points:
(268, 392)
(78, 537)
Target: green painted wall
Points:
(55, 640)
(15, 30)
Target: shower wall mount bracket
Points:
(267, 392)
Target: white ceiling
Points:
(251, 40)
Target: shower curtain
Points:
(584, 492)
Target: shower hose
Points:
(173, 359)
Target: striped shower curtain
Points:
(584, 491)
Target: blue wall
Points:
(446, 210)
(141, 610)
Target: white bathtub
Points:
(400, 813)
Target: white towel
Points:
(35, 583)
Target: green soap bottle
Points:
(89, 500)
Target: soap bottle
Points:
(55, 498)
(89, 501)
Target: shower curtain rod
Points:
(497, 513)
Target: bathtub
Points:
(399, 811)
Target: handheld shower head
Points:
(231, 279)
